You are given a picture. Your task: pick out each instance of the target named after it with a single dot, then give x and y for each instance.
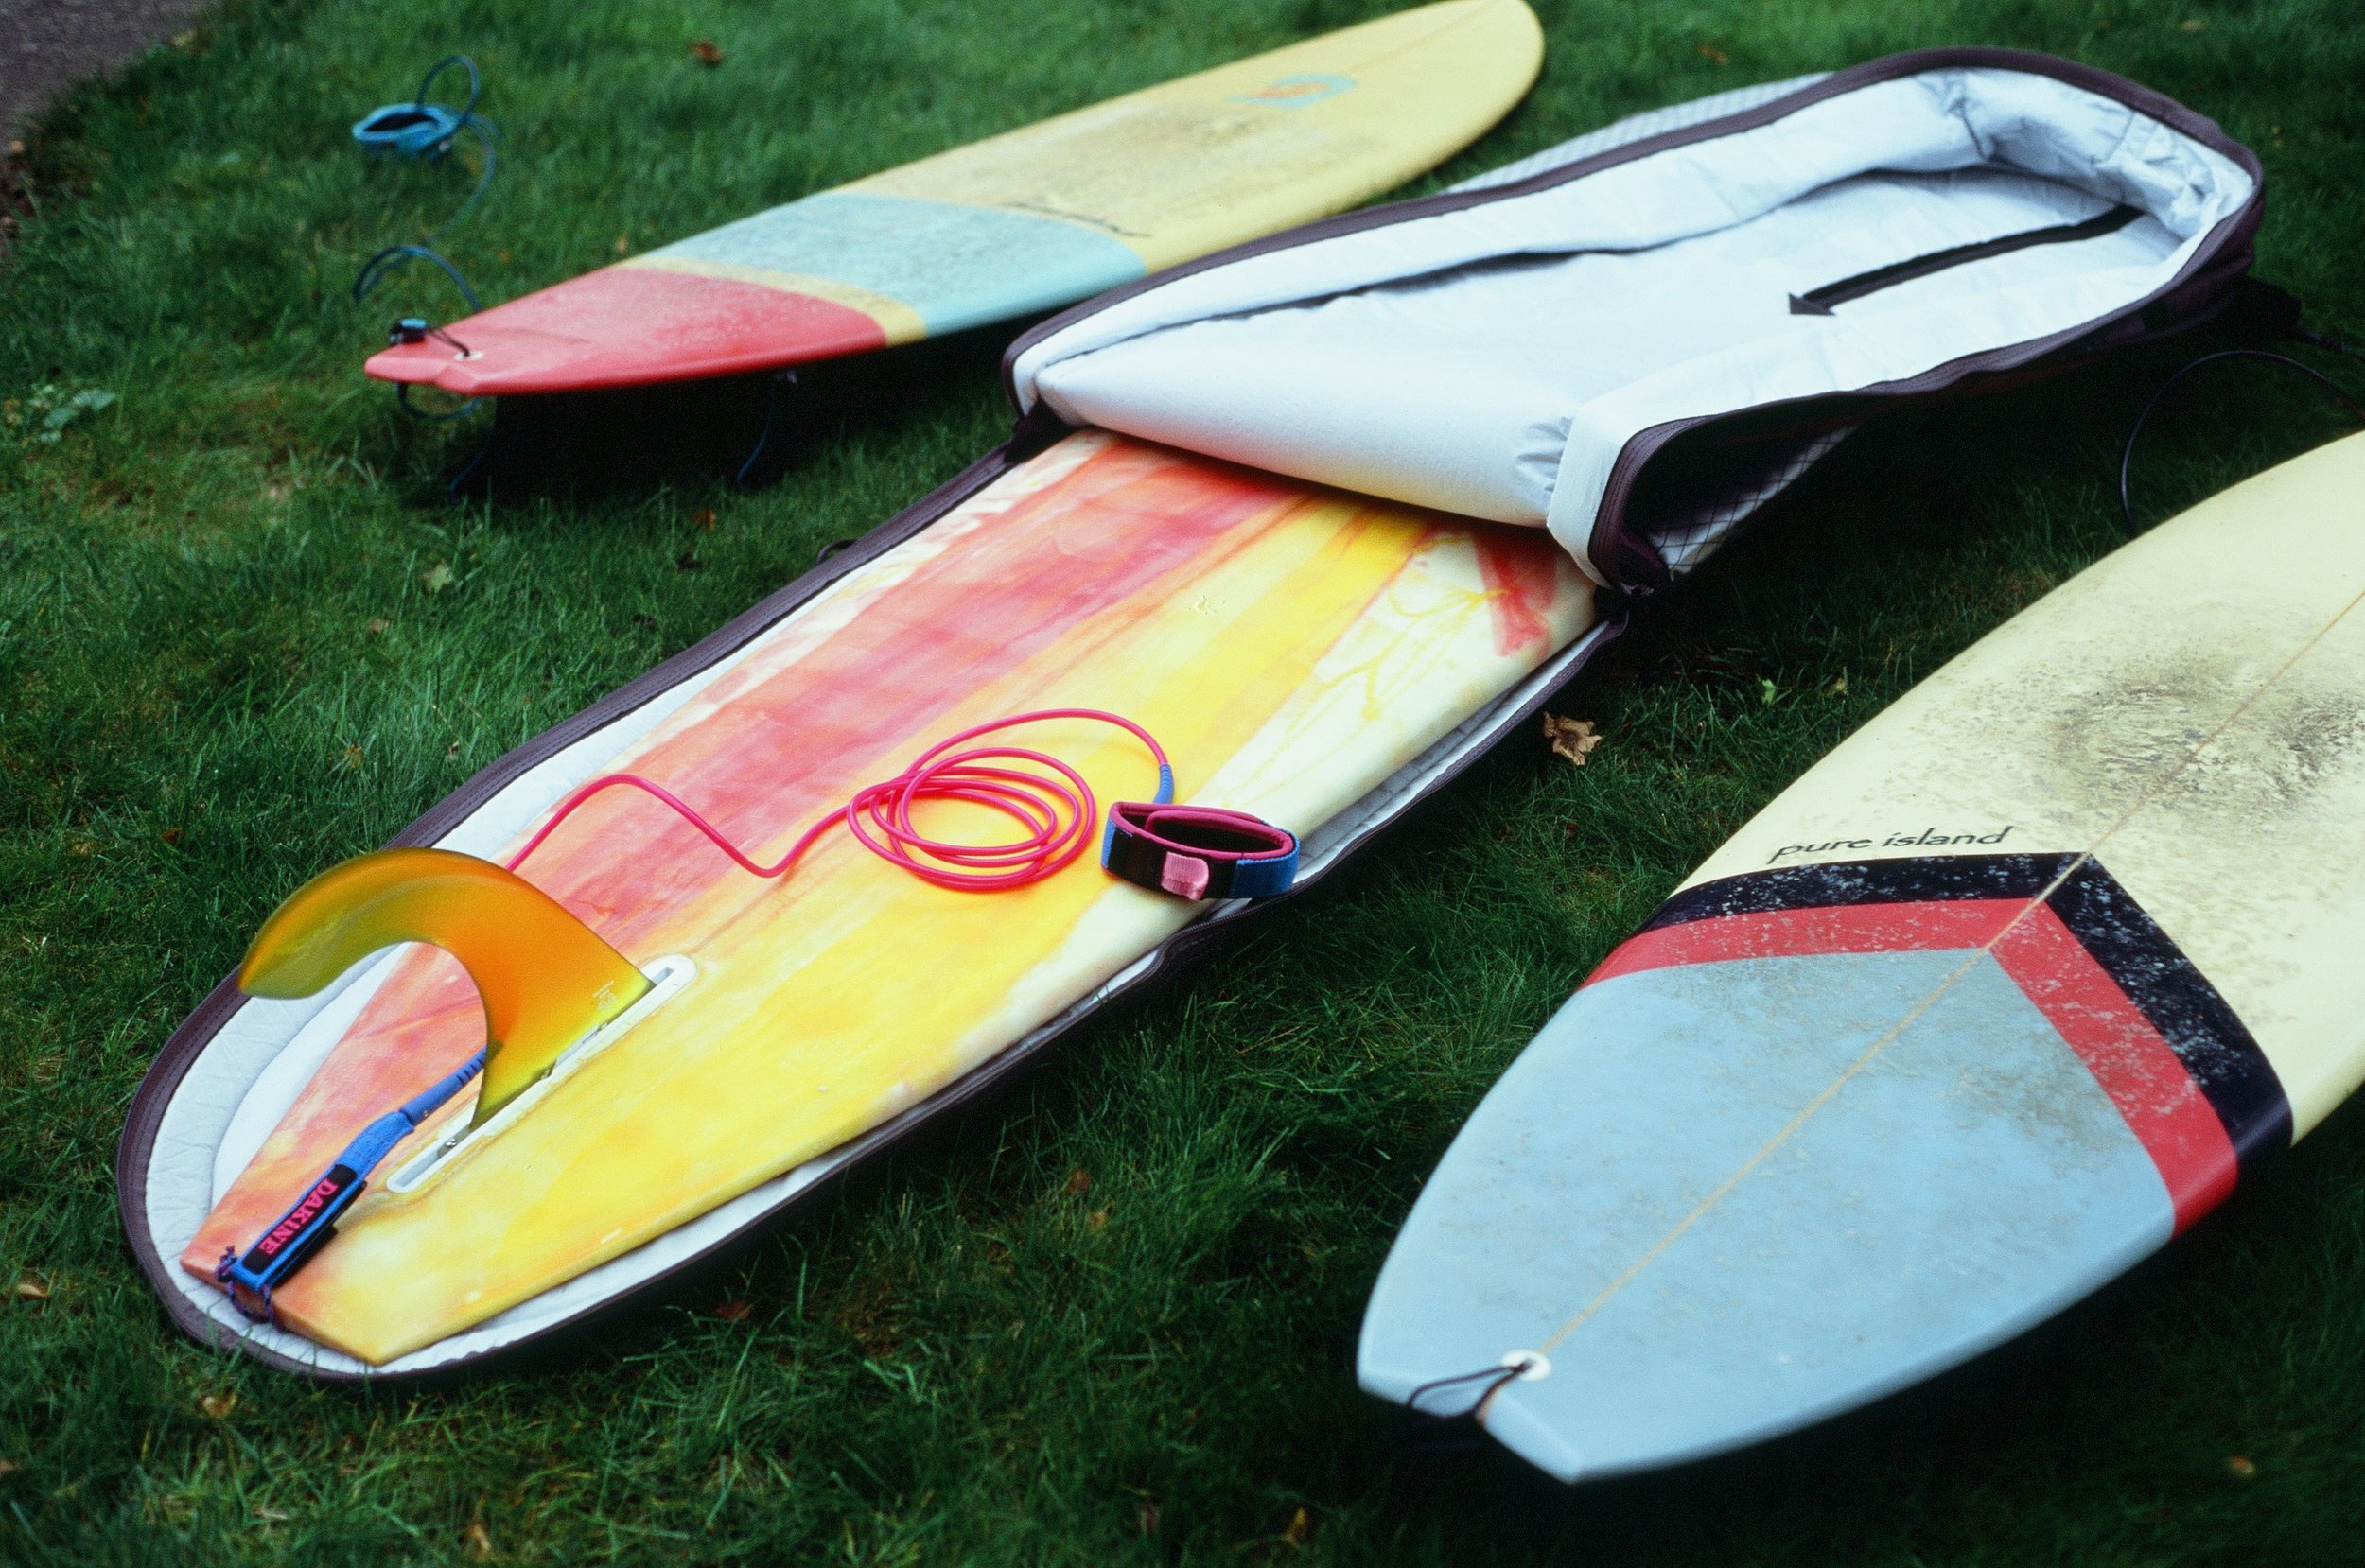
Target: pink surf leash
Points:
(1054, 809)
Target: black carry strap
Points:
(2280, 312)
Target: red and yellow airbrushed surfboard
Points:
(1018, 224)
(1293, 648)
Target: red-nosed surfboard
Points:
(1018, 224)
(1996, 1000)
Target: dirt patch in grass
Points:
(48, 45)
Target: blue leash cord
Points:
(422, 131)
(312, 1219)
(412, 329)
(386, 260)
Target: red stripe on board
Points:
(2128, 1058)
(1801, 933)
(2128, 1055)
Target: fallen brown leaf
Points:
(1079, 1181)
(217, 1405)
(377, 625)
(733, 1310)
(354, 758)
(480, 1539)
(32, 1288)
(703, 517)
(623, 245)
(1713, 55)
(440, 576)
(1571, 738)
(705, 52)
(8, 1467)
(2240, 1468)
(1097, 1219)
(1301, 1525)
(170, 835)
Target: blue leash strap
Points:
(308, 1223)
(420, 132)
(1196, 852)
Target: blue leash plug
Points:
(308, 1223)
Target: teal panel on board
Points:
(955, 266)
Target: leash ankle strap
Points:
(1198, 851)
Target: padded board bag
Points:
(1327, 515)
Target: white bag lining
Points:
(1495, 359)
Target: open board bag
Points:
(1328, 513)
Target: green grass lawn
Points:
(243, 635)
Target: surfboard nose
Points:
(1726, 1199)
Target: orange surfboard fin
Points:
(547, 979)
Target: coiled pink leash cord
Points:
(1057, 810)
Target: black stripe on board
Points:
(1818, 301)
(1905, 880)
(2215, 1047)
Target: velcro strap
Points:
(1198, 851)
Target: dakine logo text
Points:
(298, 1217)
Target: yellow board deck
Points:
(1292, 646)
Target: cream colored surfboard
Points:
(1992, 1003)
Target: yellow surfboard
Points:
(1292, 646)
(1018, 224)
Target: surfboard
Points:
(2010, 989)
(1016, 225)
(1292, 647)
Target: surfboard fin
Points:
(547, 979)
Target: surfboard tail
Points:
(1811, 1138)
(626, 327)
